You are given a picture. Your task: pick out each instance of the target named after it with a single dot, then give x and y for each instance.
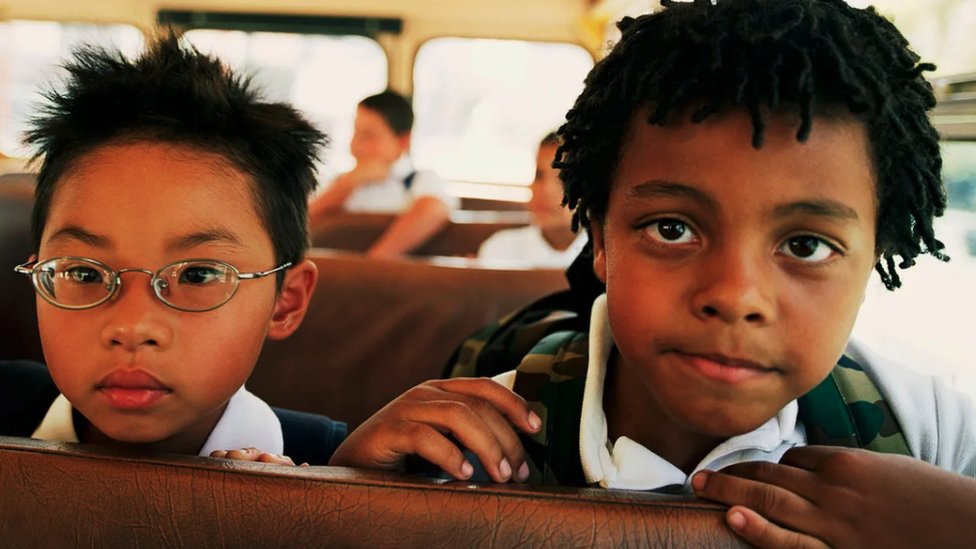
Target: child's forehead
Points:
(159, 166)
(163, 182)
(736, 128)
(718, 152)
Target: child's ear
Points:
(599, 250)
(293, 299)
(404, 140)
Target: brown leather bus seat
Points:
(64, 495)
(461, 237)
(492, 204)
(376, 328)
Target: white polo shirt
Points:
(939, 424)
(392, 196)
(528, 247)
(247, 421)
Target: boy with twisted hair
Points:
(742, 166)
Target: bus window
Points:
(482, 106)
(323, 75)
(30, 54)
(927, 323)
(939, 31)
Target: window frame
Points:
(506, 191)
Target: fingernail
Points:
(737, 520)
(698, 481)
(534, 421)
(505, 469)
(523, 472)
(467, 470)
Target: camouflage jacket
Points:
(546, 344)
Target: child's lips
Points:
(724, 368)
(132, 389)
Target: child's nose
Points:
(734, 289)
(136, 318)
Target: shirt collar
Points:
(247, 421)
(629, 465)
(58, 424)
(401, 168)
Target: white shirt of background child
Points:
(391, 196)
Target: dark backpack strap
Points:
(310, 438)
(551, 378)
(408, 180)
(584, 286)
(26, 393)
(847, 409)
(500, 346)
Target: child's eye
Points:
(83, 275)
(199, 275)
(670, 231)
(808, 248)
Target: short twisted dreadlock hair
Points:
(814, 56)
(174, 94)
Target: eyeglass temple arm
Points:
(25, 268)
(246, 276)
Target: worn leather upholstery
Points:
(376, 328)
(63, 495)
(462, 236)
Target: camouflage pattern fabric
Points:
(845, 409)
(551, 378)
(500, 346)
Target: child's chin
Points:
(135, 435)
(719, 426)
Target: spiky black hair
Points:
(173, 93)
(809, 55)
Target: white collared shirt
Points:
(247, 421)
(392, 196)
(526, 246)
(628, 465)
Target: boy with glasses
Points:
(170, 231)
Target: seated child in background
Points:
(384, 180)
(170, 229)
(549, 242)
(742, 168)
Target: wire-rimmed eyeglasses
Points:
(193, 285)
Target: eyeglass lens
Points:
(190, 285)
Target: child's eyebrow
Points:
(669, 189)
(72, 232)
(822, 208)
(208, 236)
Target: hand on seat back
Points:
(253, 454)
(820, 496)
(479, 413)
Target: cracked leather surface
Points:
(63, 495)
